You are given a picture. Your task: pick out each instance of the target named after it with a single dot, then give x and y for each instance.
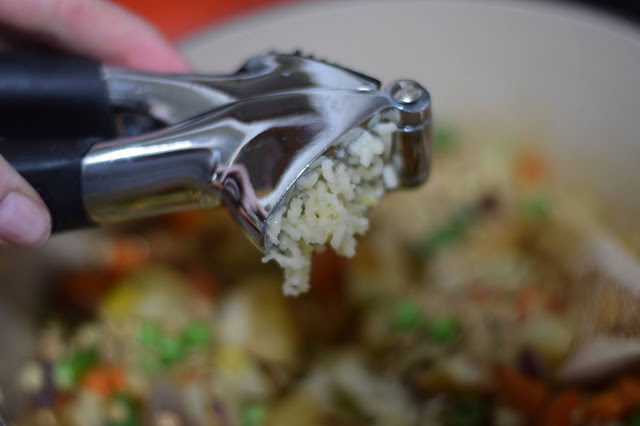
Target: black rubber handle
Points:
(53, 107)
(54, 169)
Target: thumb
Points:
(24, 218)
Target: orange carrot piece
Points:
(105, 380)
(531, 168)
(519, 391)
(116, 377)
(127, 254)
(561, 408)
(95, 381)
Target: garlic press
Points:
(103, 144)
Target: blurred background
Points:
(178, 20)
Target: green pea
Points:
(441, 329)
(85, 359)
(170, 349)
(149, 335)
(70, 369)
(634, 419)
(536, 207)
(252, 415)
(439, 238)
(197, 334)
(465, 411)
(65, 374)
(407, 315)
(450, 232)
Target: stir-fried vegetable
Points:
(473, 301)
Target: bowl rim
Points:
(573, 13)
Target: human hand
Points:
(93, 28)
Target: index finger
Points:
(95, 28)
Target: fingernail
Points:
(22, 221)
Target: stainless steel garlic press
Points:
(240, 140)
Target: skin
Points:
(94, 28)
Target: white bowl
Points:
(568, 74)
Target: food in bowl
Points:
(480, 298)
